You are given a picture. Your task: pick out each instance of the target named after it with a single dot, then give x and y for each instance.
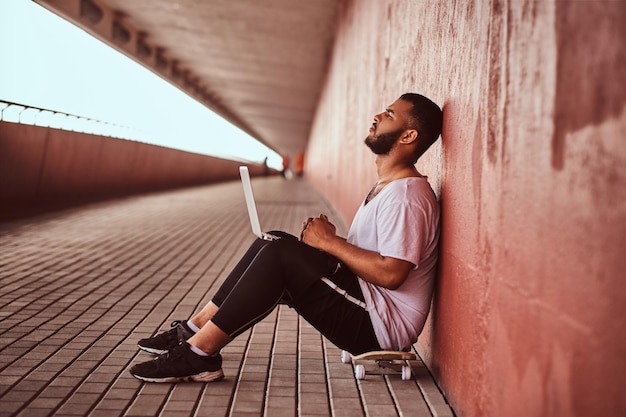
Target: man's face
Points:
(383, 143)
(387, 128)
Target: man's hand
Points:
(370, 266)
(317, 231)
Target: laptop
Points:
(252, 212)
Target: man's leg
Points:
(203, 316)
(208, 311)
(282, 267)
(339, 312)
(292, 272)
(210, 339)
(184, 329)
(281, 271)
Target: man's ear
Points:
(409, 136)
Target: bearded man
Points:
(369, 291)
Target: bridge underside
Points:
(260, 65)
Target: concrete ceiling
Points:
(260, 64)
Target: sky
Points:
(49, 63)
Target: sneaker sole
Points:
(201, 377)
(152, 350)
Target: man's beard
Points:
(382, 144)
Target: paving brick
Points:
(81, 286)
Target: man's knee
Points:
(282, 235)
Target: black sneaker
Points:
(163, 342)
(180, 364)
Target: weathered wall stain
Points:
(589, 66)
(497, 26)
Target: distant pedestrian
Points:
(299, 164)
(285, 166)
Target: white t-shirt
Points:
(402, 222)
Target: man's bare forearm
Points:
(369, 265)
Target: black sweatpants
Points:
(290, 272)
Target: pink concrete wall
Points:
(43, 169)
(529, 315)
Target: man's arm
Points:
(371, 266)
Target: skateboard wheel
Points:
(345, 357)
(406, 373)
(359, 371)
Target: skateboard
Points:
(385, 359)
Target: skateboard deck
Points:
(386, 360)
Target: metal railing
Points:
(36, 116)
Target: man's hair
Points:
(425, 117)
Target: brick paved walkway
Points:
(80, 287)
